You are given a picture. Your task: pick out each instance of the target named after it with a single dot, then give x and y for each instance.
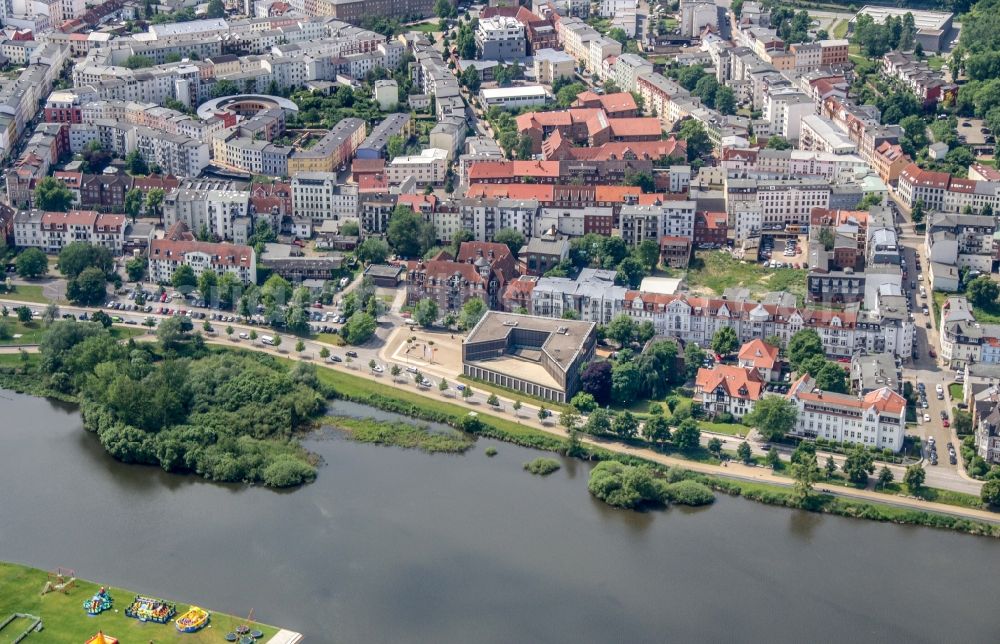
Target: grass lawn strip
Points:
(64, 619)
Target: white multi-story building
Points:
(50, 231)
(319, 196)
(876, 420)
(942, 192)
(593, 296)
(501, 38)
(784, 109)
(818, 134)
(728, 389)
(696, 15)
(430, 167)
(166, 256)
(782, 201)
(213, 211)
(626, 70)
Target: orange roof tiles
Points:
(759, 354)
(222, 254)
(737, 382)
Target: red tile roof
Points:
(611, 103)
(759, 354)
(737, 382)
(222, 254)
(638, 126)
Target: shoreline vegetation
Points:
(63, 619)
(14, 370)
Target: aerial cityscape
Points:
(548, 320)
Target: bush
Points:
(626, 486)
(542, 466)
(286, 472)
(690, 493)
(491, 451)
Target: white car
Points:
(927, 418)
(378, 369)
(244, 336)
(939, 388)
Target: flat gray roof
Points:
(565, 341)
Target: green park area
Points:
(65, 620)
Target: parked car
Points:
(927, 418)
(354, 354)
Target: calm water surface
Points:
(399, 546)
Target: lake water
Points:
(391, 545)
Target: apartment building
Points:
(211, 211)
(593, 296)
(915, 74)
(51, 231)
(781, 202)
(167, 255)
(552, 64)
(319, 196)
(953, 242)
(331, 152)
(696, 15)
(939, 191)
(501, 38)
(876, 420)
(430, 167)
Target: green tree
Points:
(52, 194)
(409, 234)
(87, 288)
(715, 447)
(184, 278)
(154, 202)
(803, 345)
(136, 268)
(583, 402)
(625, 425)
(139, 62)
(630, 272)
(983, 291)
(990, 493)
(516, 407)
(358, 328)
(625, 382)
(858, 465)
(598, 423)
(656, 429)
(698, 143)
(215, 9)
(805, 472)
(133, 203)
(75, 257)
(373, 250)
(395, 146)
(694, 357)
(773, 458)
(618, 34)
(621, 329)
(778, 143)
(425, 313)
(773, 416)
(914, 478)
(510, 237)
(31, 262)
(832, 377)
(472, 311)
(687, 435)
(173, 331)
(725, 341)
(885, 477)
(135, 164)
(443, 9)
(569, 419)
(470, 79)
(725, 100)
(830, 467)
(744, 452)
(23, 314)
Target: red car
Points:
(932, 353)
(946, 423)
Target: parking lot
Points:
(784, 252)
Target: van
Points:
(344, 282)
(266, 339)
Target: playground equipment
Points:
(60, 580)
(193, 620)
(101, 638)
(243, 633)
(100, 602)
(148, 609)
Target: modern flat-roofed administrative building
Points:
(538, 356)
